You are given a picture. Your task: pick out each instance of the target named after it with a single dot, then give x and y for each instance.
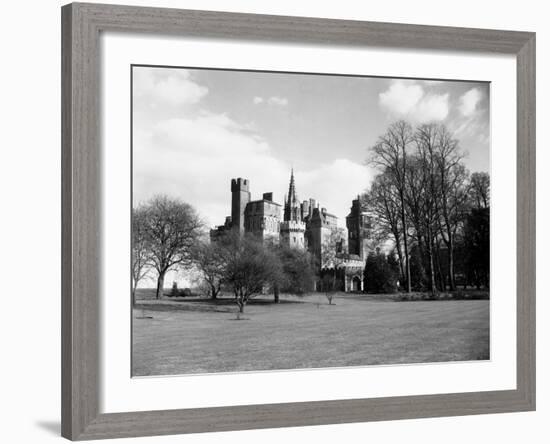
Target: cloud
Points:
(468, 102)
(471, 122)
(194, 155)
(173, 87)
(279, 101)
(432, 107)
(195, 159)
(408, 99)
(401, 98)
(334, 185)
(273, 100)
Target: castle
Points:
(304, 226)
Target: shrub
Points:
(174, 291)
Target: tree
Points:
(172, 228)
(141, 259)
(477, 245)
(382, 204)
(391, 154)
(250, 268)
(328, 286)
(479, 191)
(332, 258)
(421, 199)
(414, 198)
(210, 258)
(298, 276)
(418, 272)
(426, 139)
(452, 179)
(380, 273)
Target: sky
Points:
(196, 129)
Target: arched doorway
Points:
(356, 283)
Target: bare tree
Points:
(382, 203)
(480, 190)
(141, 259)
(328, 286)
(390, 154)
(426, 139)
(452, 179)
(414, 198)
(421, 198)
(172, 228)
(211, 260)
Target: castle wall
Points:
(263, 218)
(319, 230)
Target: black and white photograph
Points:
(263, 222)
(285, 221)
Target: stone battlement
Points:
(291, 225)
(240, 184)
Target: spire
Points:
(291, 188)
(292, 206)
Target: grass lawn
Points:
(197, 336)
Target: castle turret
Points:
(240, 196)
(292, 227)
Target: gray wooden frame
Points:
(81, 172)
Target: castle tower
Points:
(292, 227)
(358, 226)
(240, 196)
(262, 218)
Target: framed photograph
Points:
(278, 221)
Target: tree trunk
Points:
(407, 264)
(241, 301)
(400, 257)
(439, 277)
(405, 243)
(160, 284)
(451, 248)
(213, 292)
(134, 295)
(276, 293)
(429, 242)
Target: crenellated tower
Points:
(240, 196)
